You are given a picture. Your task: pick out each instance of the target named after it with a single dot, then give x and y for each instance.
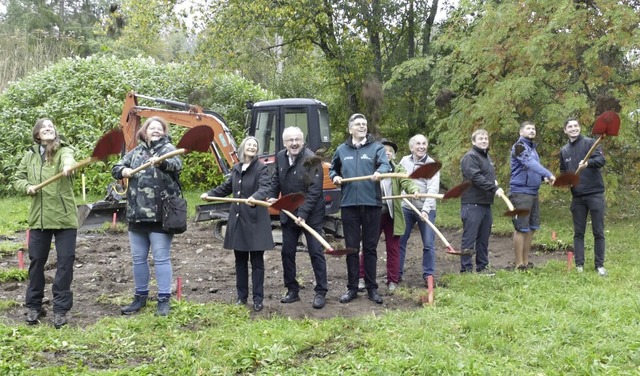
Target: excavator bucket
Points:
(95, 215)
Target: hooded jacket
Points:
(53, 206)
(148, 187)
(527, 173)
(350, 161)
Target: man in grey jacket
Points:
(588, 195)
(361, 202)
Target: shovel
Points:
(328, 249)
(454, 192)
(607, 124)
(423, 172)
(195, 139)
(110, 143)
(567, 179)
(288, 202)
(450, 250)
(512, 212)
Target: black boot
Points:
(139, 302)
(164, 306)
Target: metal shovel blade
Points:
(567, 180)
(607, 123)
(111, 143)
(292, 201)
(457, 191)
(197, 139)
(426, 171)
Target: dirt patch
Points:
(103, 276)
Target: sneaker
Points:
(487, 272)
(33, 316)
(164, 306)
(579, 269)
(392, 287)
(602, 272)
(361, 285)
(59, 320)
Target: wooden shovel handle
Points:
(433, 227)
(160, 159)
(382, 176)
(238, 200)
(586, 157)
(506, 201)
(420, 195)
(324, 243)
(55, 177)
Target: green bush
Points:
(84, 98)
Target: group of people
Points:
(365, 212)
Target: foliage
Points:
(84, 98)
(506, 62)
(13, 275)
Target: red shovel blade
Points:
(340, 252)
(567, 180)
(457, 191)
(607, 123)
(111, 143)
(197, 139)
(289, 202)
(426, 171)
(464, 252)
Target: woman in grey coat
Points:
(249, 227)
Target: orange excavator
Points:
(266, 122)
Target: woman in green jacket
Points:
(53, 214)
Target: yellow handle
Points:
(160, 159)
(59, 175)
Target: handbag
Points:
(174, 214)
(174, 211)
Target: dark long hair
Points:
(50, 148)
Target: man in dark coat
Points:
(298, 170)
(475, 211)
(588, 195)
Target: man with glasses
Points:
(361, 202)
(298, 170)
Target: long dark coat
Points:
(249, 228)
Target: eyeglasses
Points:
(296, 140)
(359, 125)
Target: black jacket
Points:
(478, 168)
(306, 176)
(590, 178)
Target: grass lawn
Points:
(544, 322)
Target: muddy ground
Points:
(103, 276)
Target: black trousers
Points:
(361, 224)
(257, 274)
(580, 208)
(290, 234)
(39, 247)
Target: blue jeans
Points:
(160, 245)
(476, 230)
(428, 241)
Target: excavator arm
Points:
(223, 147)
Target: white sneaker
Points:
(602, 272)
(392, 287)
(579, 269)
(361, 285)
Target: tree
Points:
(506, 62)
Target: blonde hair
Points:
(241, 148)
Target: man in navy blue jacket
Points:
(527, 174)
(588, 195)
(298, 170)
(361, 202)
